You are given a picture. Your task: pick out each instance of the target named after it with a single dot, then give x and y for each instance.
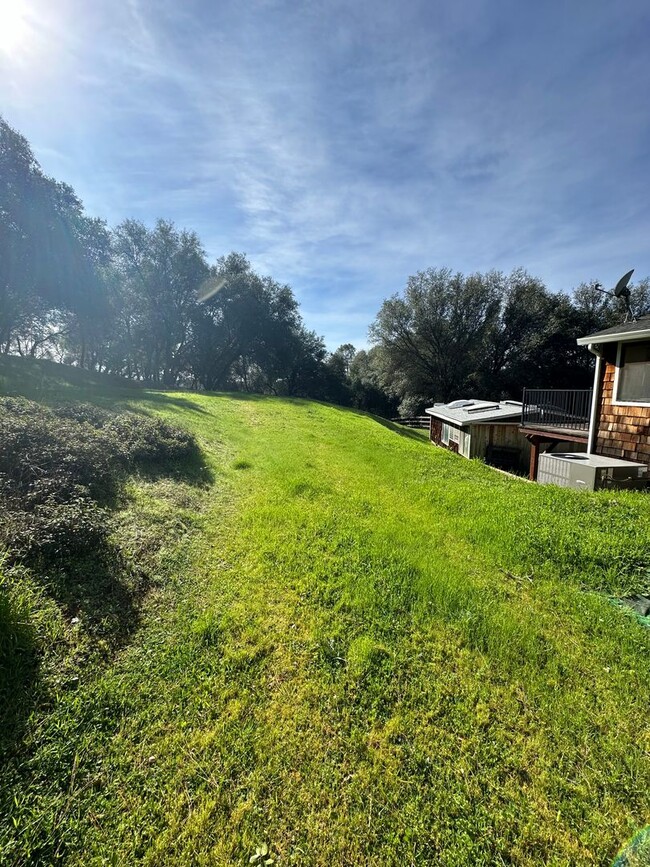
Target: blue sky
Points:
(346, 145)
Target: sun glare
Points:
(13, 26)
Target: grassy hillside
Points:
(355, 649)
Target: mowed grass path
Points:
(363, 650)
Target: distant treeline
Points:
(144, 303)
(488, 335)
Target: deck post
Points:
(534, 457)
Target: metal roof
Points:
(636, 330)
(464, 412)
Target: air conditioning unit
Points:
(590, 472)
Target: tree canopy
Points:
(486, 335)
(128, 300)
(50, 250)
(145, 303)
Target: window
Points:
(634, 373)
(449, 434)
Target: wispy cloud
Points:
(343, 146)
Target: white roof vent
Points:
(484, 407)
(460, 404)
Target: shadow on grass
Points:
(99, 593)
(99, 596)
(164, 399)
(239, 395)
(47, 381)
(19, 666)
(40, 378)
(103, 590)
(123, 400)
(99, 601)
(192, 469)
(407, 432)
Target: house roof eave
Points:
(638, 330)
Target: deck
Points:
(553, 432)
(559, 410)
(554, 415)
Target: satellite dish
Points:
(621, 290)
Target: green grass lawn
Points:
(356, 648)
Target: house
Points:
(483, 429)
(610, 422)
(620, 418)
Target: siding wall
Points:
(623, 431)
(484, 435)
(435, 430)
(508, 435)
(474, 443)
(435, 435)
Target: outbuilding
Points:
(483, 429)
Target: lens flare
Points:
(14, 28)
(210, 287)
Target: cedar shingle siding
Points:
(623, 431)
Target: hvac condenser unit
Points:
(590, 472)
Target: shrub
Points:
(46, 457)
(83, 412)
(148, 441)
(56, 530)
(60, 468)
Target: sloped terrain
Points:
(353, 648)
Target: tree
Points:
(600, 309)
(432, 339)
(533, 341)
(160, 272)
(299, 369)
(49, 248)
(235, 332)
(337, 372)
(341, 358)
(486, 335)
(640, 297)
(516, 333)
(366, 389)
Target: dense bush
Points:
(149, 441)
(45, 457)
(61, 468)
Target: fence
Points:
(420, 421)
